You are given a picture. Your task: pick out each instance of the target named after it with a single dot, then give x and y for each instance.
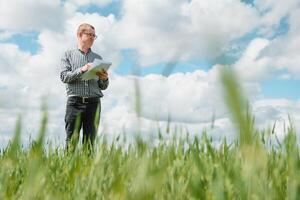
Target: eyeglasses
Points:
(91, 35)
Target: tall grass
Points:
(183, 168)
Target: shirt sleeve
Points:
(103, 84)
(66, 73)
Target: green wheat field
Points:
(181, 168)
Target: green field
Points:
(180, 168)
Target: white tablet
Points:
(97, 65)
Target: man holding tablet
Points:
(83, 105)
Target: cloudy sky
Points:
(173, 49)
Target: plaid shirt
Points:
(71, 62)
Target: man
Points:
(83, 105)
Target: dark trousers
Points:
(78, 114)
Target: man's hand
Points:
(86, 67)
(102, 75)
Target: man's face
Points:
(87, 37)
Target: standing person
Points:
(83, 105)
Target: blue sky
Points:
(259, 39)
(112, 8)
(274, 88)
(28, 41)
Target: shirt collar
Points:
(83, 52)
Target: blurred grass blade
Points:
(169, 67)
(43, 127)
(238, 106)
(16, 142)
(97, 118)
(72, 144)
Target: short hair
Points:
(83, 27)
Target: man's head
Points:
(86, 35)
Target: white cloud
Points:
(189, 100)
(31, 15)
(269, 111)
(167, 96)
(190, 30)
(12, 60)
(121, 120)
(272, 12)
(190, 97)
(5, 35)
(283, 51)
(250, 66)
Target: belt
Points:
(85, 99)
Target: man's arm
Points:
(103, 84)
(66, 73)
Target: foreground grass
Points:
(178, 170)
(183, 168)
